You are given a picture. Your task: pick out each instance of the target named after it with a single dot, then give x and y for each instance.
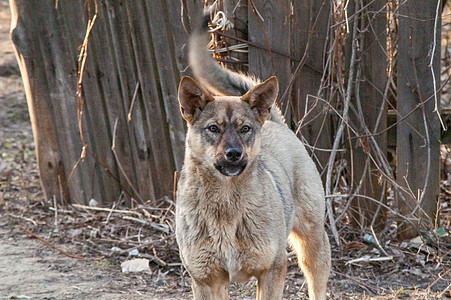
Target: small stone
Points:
(133, 252)
(135, 265)
(75, 232)
(117, 250)
(93, 203)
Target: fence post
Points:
(418, 133)
(310, 30)
(369, 116)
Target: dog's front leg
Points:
(271, 282)
(215, 291)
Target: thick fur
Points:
(234, 212)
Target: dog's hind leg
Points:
(313, 253)
(218, 291)
(271, 282)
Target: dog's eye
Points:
(245, 129)
(213, 128)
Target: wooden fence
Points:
(127, 95)
(101, 82)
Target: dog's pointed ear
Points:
(261, 98)
(192, 98)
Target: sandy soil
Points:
(30, 269)
(33, 271)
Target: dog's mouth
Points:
(231, 169)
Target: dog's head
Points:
(224, 131)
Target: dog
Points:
(247, 185)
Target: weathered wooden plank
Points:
(418, 136)
(104, 103)
(165, 54)
(180, 33)
(125, 140)
(369, 116)
(310, 25)
(31, 39)
(103, 176)
(153, 112)
(272, 31)
(138, 129)
(59, 65)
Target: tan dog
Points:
(247, 184)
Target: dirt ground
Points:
(33, 269)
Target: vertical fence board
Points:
(97, 127)
(272, 31)
(370, 116)
(103, 103)
(418, 136)
(164, 49)
(180, 35)
(309, 34)
(39, 81)
(152, 105)
(59, 56)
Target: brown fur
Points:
(235, 211)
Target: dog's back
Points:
(247, 184)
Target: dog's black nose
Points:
(233, 154)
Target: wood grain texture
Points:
(272, 32)
(127, 48)
(310, 23)
(370, 113)
(418, 137)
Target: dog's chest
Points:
(227, 231)
(239, 244)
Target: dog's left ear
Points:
(261, 98)
(192, 98)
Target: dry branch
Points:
(339, 135)
(51, 245)
(120, 211)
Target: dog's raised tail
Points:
(215, 78)
(219, 80)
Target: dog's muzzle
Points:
(232, 163)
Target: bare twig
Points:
(56, 213)
(378, 243)
(119, 211)
(368, 258)
(113, 148)
(129, 116)
(445, 290)
(51, 245)
(339, 134)
(431, 64)
(111, 212)
(174, 190)
(156, 226)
